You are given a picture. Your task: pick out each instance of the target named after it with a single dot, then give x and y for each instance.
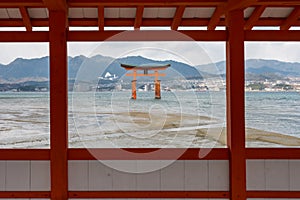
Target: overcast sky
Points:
(192, 52)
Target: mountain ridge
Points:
(37, 69)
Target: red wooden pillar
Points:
(235, 103)
(133, 88)
(157, 89)
(58, 104)
(133, 85)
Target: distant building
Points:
(109, 76)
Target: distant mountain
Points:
(84, 68)
(37, 69)
(258, 69)
(25, 70)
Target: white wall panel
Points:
(218, 175)
(2, 175)
(172, 176)
(256, 175)
(122, 177)
(100, 176)
(277, 174)
(40, 176)
(17, 175)
(78, 174)
(294, 175)
(149, 178)
(196, 175)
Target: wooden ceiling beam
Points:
(26, 18)
(276, 35)
(24, 36)
(134, 3)
(193, 22)
(77, 36)
(57, 5)
(292, 18)
(278, 2)
(100, 18)
(254, 17)
(215, 19)
(177, 17)
(138, 17)
(18, 3)
(250, 35)
(239, 4)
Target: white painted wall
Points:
(197, 175)
(24, 176)
(280, 175)
(201, 175)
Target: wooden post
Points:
(58, 104)
(133, 85)
(235, 104)
(133, 88)
(157, 85)
(157, 89)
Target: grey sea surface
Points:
(181, 119)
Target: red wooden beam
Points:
(24, 154)
(144, 36)
(145, 154)
(273, 153)
(145, 22)
(273, 194)
(130, 22)
(235, 104)
(238, 4)
(100, 18)
(270, 3)
(18, 3)
(177, 17)
(134, 3)
(254, 17)
(272, 22)
(138, 17)
(58, 5)
(22, 36)
(292, 18)
(81, 36)
(272, 35)
(215, 19)
(58, 104)
(206, 35)
(11, 23)
(26, 18)
(24, 194)
(149, 194)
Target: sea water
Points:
(95, 117)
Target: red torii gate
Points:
(146, 68)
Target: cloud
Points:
(284, 51)
(189, 52)
(11, 51)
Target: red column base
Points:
(157, 89)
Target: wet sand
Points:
(168, 123)
(252, 135)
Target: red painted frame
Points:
(59, 154)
